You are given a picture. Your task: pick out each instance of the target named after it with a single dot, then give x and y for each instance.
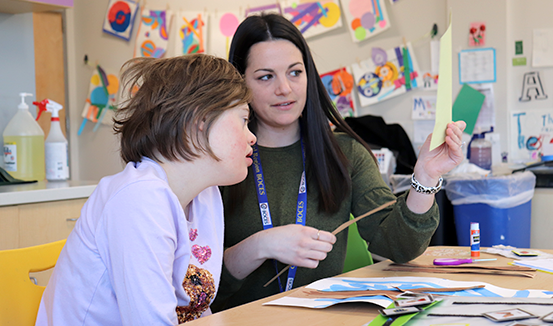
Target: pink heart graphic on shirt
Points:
(202, 254)
(193, 234)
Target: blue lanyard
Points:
(264, 205)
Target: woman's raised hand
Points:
(432, 164)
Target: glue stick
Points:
(474, 239)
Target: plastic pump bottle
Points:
(55, 146)
(24, 145)
(480, 150)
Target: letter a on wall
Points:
(531, 83)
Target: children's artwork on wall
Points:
(424, 108)
(272, 8)
(224, 24)
(477, 34)
(339, 86)
(100, 103)
(365, 18)
(190, 32)
(531, 130)
(429, 81)
(152, 37)
(119, 18)
(531, 85)
(398, 74)
(313, 17)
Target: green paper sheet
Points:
(444, 98)
(467, 106)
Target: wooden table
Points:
(256, 314)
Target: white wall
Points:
(17, 65)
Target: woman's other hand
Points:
(296, 245)
(293, 244)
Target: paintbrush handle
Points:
(350, 222)
(338, 230)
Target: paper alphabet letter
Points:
(532, 83)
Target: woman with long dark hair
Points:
(306, 180)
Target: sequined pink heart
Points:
(193, 234)
(202, 254)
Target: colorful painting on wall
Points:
(365, 18)
(386, 74)
(101, 101)
(153, 33)
(313, 17)
(119, 18)
(190, 32)
(340, 86)
(224, 24)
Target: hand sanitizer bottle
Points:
(24, 145)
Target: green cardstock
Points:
(467, 106)
(520, 61)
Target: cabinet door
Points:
(9, 224)
(46, 222)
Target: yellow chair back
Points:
(19, 296)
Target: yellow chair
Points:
(357, 254)
(19, 296)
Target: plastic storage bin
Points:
(502, 206)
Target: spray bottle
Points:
(55, 146)
(24, 145)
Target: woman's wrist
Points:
(420, 188)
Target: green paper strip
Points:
(406, 69)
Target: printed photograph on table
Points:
(223, 26)
(339, 86)
(268, 9)
(387, 74)
(313, 17)
(100, 104)
(190, 32)
(365, 18)
(152, 37)
(119, 19)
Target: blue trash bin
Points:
(501, 205)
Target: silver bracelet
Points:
(425, 190)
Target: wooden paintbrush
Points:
(338, 230)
